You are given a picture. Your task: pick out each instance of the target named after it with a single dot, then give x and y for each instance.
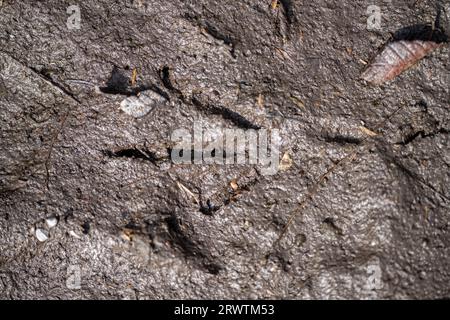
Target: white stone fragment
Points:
(41, 235)
(73, 234)
(51, 222)
(141, 105)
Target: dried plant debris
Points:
(397, 57)
(368, 132)
(286, 162)
(188, 192)
(234, 185)
(274, 4)
(133, 78)
(141, 105)
(410, 45)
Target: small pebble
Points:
(41, 235)
(139, 106)
(51, 222)
(73, 234)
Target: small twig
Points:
(52, 145)
(310, 194)
(81, 82)
(189, 192)
(314, 189)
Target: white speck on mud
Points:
(141, 105)
(51, 222)
(73, 234)
(41, 235)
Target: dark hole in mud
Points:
(209, 208)
(420, 32)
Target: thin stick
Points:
(311, 193)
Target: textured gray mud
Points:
(373, 225)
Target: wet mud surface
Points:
(91, 205)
